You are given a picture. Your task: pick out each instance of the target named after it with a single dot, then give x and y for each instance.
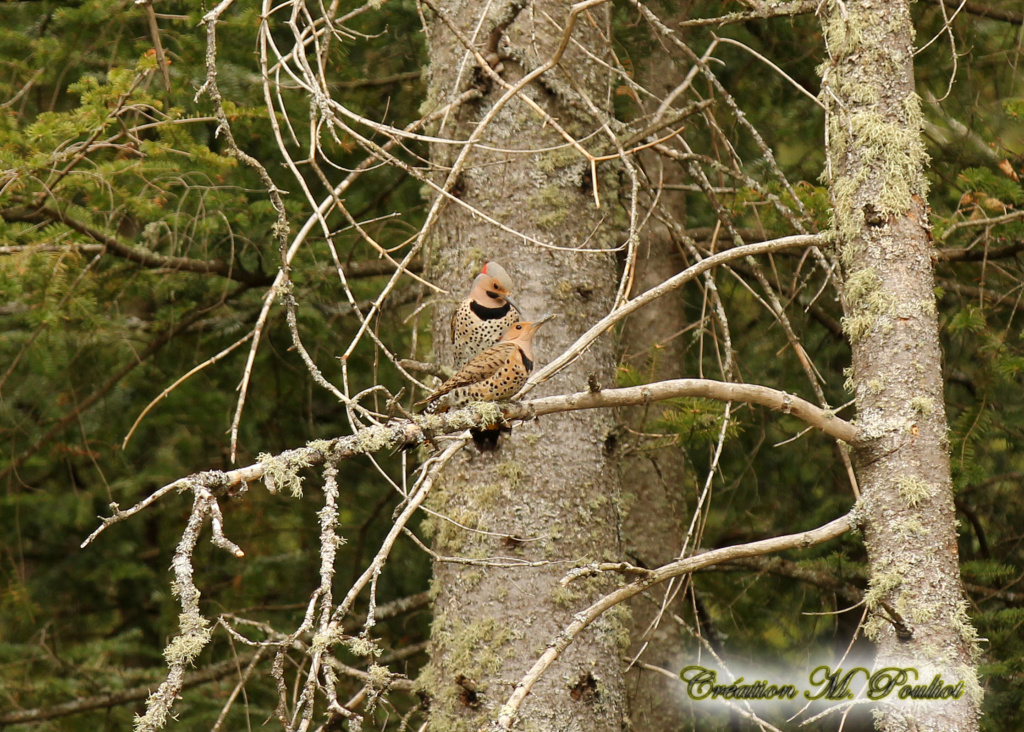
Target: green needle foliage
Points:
(135, 247)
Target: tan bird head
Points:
(492, 288)
(522, 335)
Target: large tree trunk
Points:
(552, 484)
(876, 166)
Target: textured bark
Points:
(878, 191)
(552, 483)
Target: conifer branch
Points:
(155, 346)
(214, 672)
(148, 259)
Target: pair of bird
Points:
(493, 347)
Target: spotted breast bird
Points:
(483, 317)
(496, 374)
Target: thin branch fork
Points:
(672, 283)
(581, 620)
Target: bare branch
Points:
(194, 370)
(767, 10)
(1005, 218)
(587, 339)
(984, 11)
(582, 619)
(977, 255)
(780, 401)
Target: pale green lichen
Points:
(881, 585)
(466, 417)
(897, 148)
(379, 676)
(551, 161)
(922, 614)
(553, 219)
(891, 159)
(449, 535)
(282, 472)
(470, 578)
(488, 494)
(489, 412)
(922, 405)
(362, 645)
(477, 648)
(856, 327)
(875, 306)
(513, 472)
(875, 130)
(430, 422)
(859, 285)
(615, 626)
(881, 303)
(597, 501)
(873, 626)
(960, 621)
(321, 446)
(554, 202)
(972, 686)
(564, 289)
(565, 596)
(849, 384)
(912, 489)
(371, 440)
(841, 36)
(321, 642)
(909, 526)
(193, 636)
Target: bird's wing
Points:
(477, 369)
(481, 367)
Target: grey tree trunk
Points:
(876, 169)
(550, 492)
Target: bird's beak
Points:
(514, 304)
(542, 321)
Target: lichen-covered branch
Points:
(193, 629)
(281, 472)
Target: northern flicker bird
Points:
(482, 318)
(496, 374)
